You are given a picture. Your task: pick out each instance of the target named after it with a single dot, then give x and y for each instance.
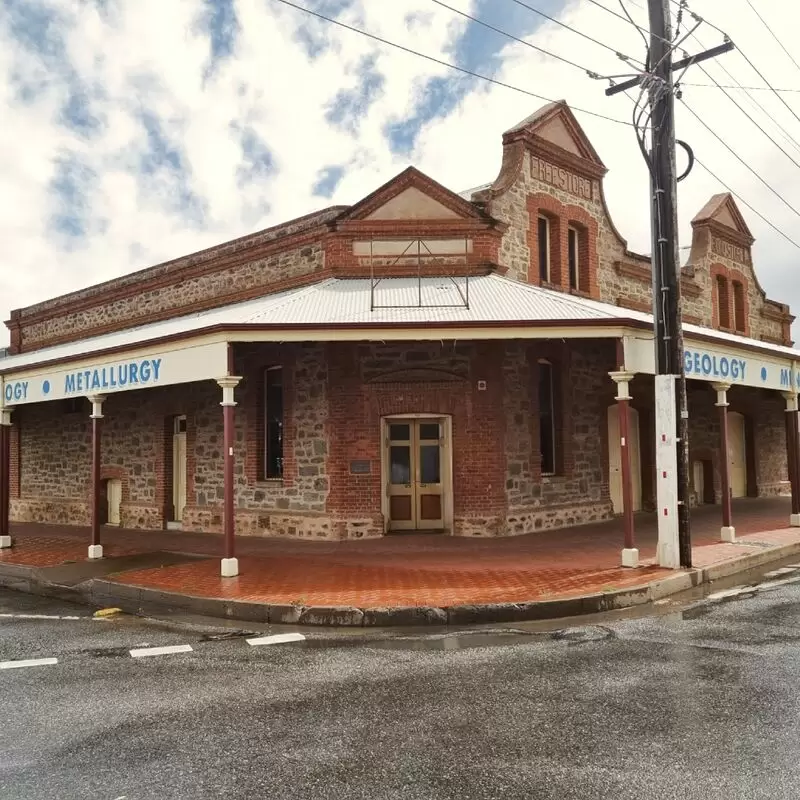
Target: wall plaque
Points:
(360, 467)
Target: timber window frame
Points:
(739, 306)
(722, 297)
(273, 411)
(574, 257)
(544, 255)
(548, 417)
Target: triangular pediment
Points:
(555, 126)
(413, 203)
(412, 195)
(722, 210)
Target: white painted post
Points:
(630, 553)
(95, 548)
(666, 471)
(727, 532)
(229, 567)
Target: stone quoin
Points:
(422, 360)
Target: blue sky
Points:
(138, 132)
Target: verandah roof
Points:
(340, 303)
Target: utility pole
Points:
(672, 416)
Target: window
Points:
(273, 423)
(544, 249)
(547, 418)
(723, 302)
(573, 248)
(738, 307)
(72, 405)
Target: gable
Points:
(721, 211)
(412, 203)
(557, 133)
(554, 127)
(412, 196)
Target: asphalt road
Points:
(697, 702)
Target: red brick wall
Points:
(369, 382)
(562, 216)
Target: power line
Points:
(773, 34)
(586, 36)
(683, 4)
(745, 203)
(737, 86)
(730, 97)
(442, 63)
(627, 20)
(589, 72)
(739, 158)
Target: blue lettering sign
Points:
(708, 366)
(115, 376)
(16, 392)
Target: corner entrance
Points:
(416, 474)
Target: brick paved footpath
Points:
(415, 569)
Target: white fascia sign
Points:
(139, 369)
(718, 364)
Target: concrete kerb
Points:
(141, 600)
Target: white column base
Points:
(95, 551)
(230, 567)
(5, 541)
(630, 557)
(727, 534)
(794, 521)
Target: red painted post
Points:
(5, 484)
(728, 532)
(793, 455)
(627, 488)
(230, 564)
(95, 547)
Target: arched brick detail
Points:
(564, 215)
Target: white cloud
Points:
(152, 57)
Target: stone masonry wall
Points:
(56, 460)
(336, 395)
(578, 493)
(616, 276)
(206, 290)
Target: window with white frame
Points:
(547, 417)
(543, 236)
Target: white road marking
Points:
(141, 652)
(781, 571)
(31, 662)
(729, 592)
(278, 638)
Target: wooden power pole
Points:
(672, 416)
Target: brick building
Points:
(421, 360)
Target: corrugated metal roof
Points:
(338, 302)
(467, 193)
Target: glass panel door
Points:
(414, 456)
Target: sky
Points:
(136, 132)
